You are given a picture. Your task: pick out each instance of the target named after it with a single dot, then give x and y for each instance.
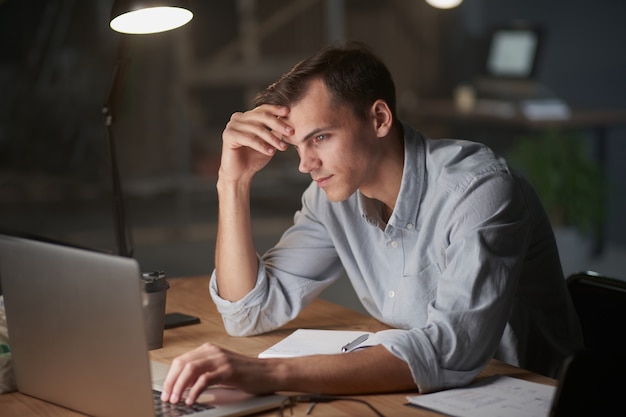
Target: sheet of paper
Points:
(499, 396)
(304, 342)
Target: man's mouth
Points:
(322, 181)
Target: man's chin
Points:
(336, 197)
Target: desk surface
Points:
(190, 295)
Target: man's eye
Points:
(320, 138)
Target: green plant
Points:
(569, 182)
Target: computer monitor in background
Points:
(510, 64)
(513, 52)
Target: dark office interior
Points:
(179, 89)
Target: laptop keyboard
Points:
(164, 409)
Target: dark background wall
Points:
(57, 63)
(582, 61)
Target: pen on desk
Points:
(349, 346)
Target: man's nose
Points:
(308, 162)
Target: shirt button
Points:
(391, 293)
(394, 244)
(409, 226)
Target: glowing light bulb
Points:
(151, 20)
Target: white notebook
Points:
(303, 342)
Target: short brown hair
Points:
(351, 72)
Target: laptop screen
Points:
(76, 329)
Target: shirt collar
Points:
(405, 213)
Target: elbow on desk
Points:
(237, 329)
(234, 329)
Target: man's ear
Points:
(382, 118)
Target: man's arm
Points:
(370, 370)
(249, 142)
(365, 371)
(235, 256)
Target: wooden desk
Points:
(190, 295)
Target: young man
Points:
(438, 237)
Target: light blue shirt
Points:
(466, 268)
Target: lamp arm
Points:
(122, 233)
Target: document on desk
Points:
(303, 342)
(497, 396)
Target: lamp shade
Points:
(444, 4)
(145, 16)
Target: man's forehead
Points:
(315, 93)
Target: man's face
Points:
(336, 148)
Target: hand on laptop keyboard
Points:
(165, 409)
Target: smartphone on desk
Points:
(173, 320)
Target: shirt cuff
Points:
(236, 314)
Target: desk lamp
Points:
(134, 17)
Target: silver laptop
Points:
(76, 333)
